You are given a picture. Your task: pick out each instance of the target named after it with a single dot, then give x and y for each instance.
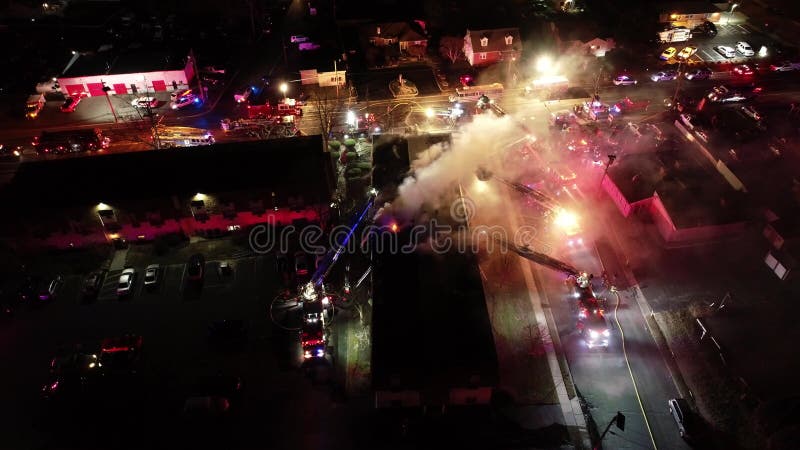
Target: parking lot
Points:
(173, 319)
(727, 35)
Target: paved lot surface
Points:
(282, 406)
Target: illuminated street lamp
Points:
(733, 6)
(429, 113)
(284, 87)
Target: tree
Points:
(328, 110)
(451, 47)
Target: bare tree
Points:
(451, 47)
(328, 110)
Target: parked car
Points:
(70, 104)
(687, 52)
(125, 284)
(679, 410)
(784, 66)
(152, 276)
(725, 51)
(743, 70)
(92, 284)
(744, 48)
(225, 269)
(664, 75)
(669, 53)
(624, 80)
(296, 39)
(144, 102)
(49, 290)
(702, 73)
(120, 355)
(706, 28)
(751, 112)
(196, 267)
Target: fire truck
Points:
(592, 323)
(312, 340)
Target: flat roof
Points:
(431, 327)
(115, 62)
(694, 194)
(297, 165)
(689, 7)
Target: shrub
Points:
(350, 143)
(334, 145)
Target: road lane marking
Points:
(625, 354)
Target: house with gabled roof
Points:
(487, 47)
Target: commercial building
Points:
(141, 196)
(432, 342)
(686, 200)
(95, 73)
(688, 13)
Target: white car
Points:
(186, 100)
(125, 285)
(152, 275)
(725, 51)
(624, 80)
(145, 102)
(745, 49)
(785, 66)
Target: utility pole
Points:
(197, 74)
(336, 77)
(108, 99)
(619, 420)
(677, 86)
(151, 117)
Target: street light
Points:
(284, 87)
(544, 65)
(733, 6)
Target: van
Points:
(674, 35)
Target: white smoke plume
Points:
(479, 142)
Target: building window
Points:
(484, 42)
(509, 39)
(483, 56)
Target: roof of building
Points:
(688, 7)
(431, 328)
(693, 194)
(294, 165)
(403, 31)
(140, 60)
(497, 39)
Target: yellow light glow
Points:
(429, 112)
(113, 236)
(567, 221)
(101, 206)
(544, 64)
(394, 227)
(199, 196)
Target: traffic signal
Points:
(620, 421)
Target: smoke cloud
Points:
(437, 170)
